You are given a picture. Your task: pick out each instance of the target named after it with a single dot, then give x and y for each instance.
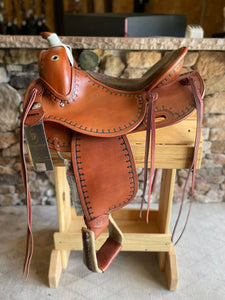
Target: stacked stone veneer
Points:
(19, 67)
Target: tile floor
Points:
(200, 257)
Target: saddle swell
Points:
(90, 115)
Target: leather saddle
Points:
(90, 114)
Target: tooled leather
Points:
(181, 104)
(105, 171)
(172, 74)
(87, 101)
(59, 136)
(77, 112)
(98, 225)
(69, 116)
(83, 87)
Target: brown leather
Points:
(53, 61)
(96, 112)
(76, 99)
(100, 261)
(164, 71)
(106, 176)
(107, 253)
(179, 106)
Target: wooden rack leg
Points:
(55, 268)
(171, 269)
(59, 258)
(167, 260)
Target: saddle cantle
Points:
(90, 115)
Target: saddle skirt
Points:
(90, 115)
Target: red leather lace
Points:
(29, 245)
(199, 108)
(150, 138)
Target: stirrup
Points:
(100, 261)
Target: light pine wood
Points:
(165, 206)
(171, 269)
(174, 150)
(63, 195)
(161, 260)
(63, 205)
(166, 199)
(55, 268)
(132, 242)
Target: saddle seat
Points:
(164, 71)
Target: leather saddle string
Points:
(150, 137)
(29, 244)
(199, 109)
(154, 180)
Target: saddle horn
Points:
(54, 41)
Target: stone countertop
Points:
(117, 43)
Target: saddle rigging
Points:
(90, 115)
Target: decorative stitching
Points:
(102, 130)
(172, 72)
(82, 179)
(82, 175)
(56, 143)
(72, 98)
(140, 107)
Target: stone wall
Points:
(19, 67)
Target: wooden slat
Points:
(127, 219)
(138, 236)
(132, 242)
(182, 133)
(174, 146)
(166, 156)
